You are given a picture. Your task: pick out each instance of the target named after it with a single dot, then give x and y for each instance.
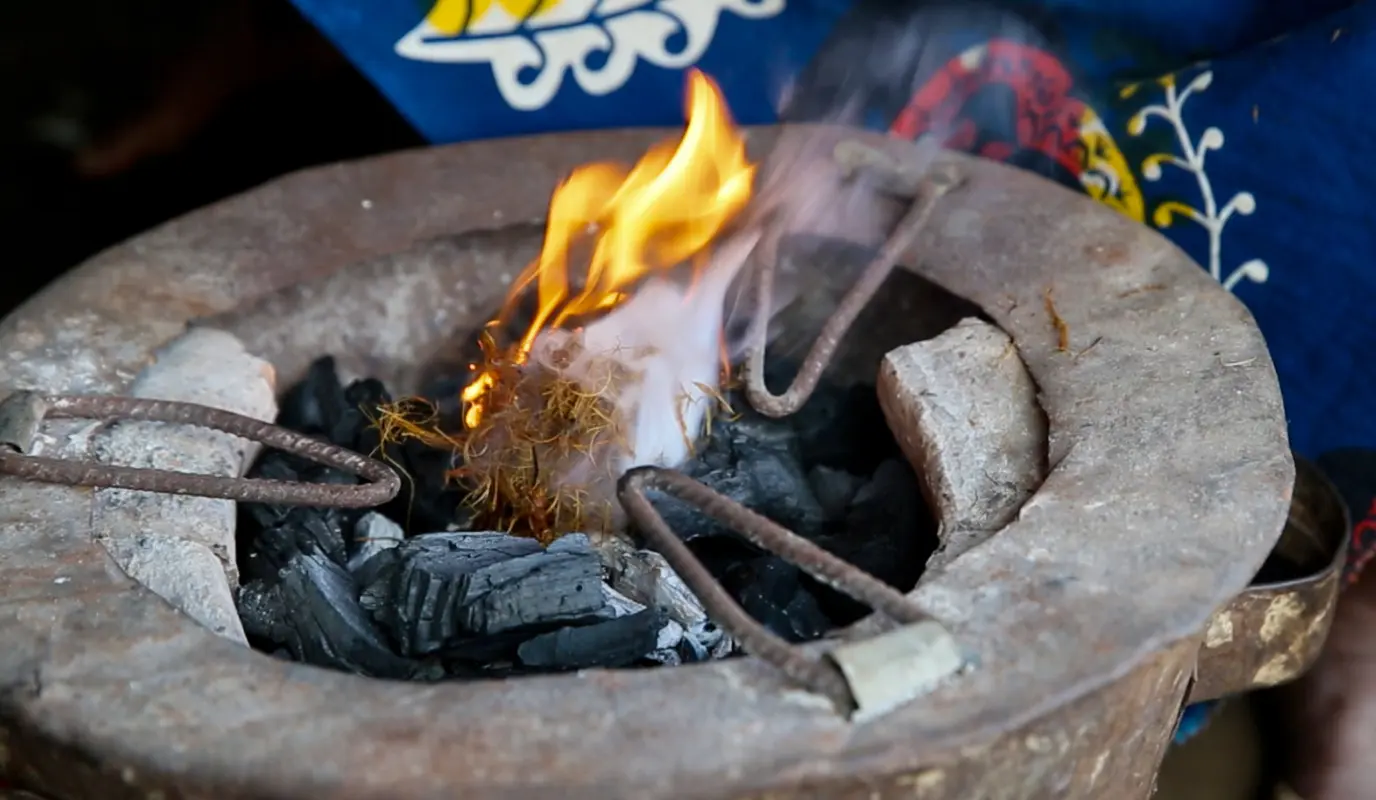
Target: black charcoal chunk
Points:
(749, 431)
(354, 428)
(773, 592)
(286, 467)
(262, 612)
(447, 588)
(686, 520)
(843, 429)
(782, 491)
(313, 611)
(887, 532)
(302, 529)
(887, 526)
(834, 489)
(315, 404)
(766, 480)
(613, 643)
(319, 406)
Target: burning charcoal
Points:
(613, 643)
(446, 588)
(834, 489)
(313, 611)
(373, 533)
(773, 592)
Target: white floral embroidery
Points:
(529, 59)
(1210, 217)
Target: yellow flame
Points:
(658, 214)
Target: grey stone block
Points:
(170, 543)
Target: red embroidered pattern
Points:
(1362, 547)
(1047, 117)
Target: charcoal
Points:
(885, 524)
(344, 415)
(887, 533)
(843, 429)
(314, 405)
(685, 520)
(301, 529)
(280, 466)
(834, 489)
(750, 431)
(773, 592)
(782, 491)
(768, 480)
(312, 610)
(372, 534)
(262, 612)
(478, 604)
(613, 643)
(446, 588)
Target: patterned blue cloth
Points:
(1239, 128)
(472, 69)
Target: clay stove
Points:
(1081, 618)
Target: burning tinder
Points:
(624, 369)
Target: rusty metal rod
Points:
(772, 537)
(383, 483)
(942, 179)
(816, 674)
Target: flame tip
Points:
(661, 212)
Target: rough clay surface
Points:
(183, 547)
(965, 413)
(1169, 482)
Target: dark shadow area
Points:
(119, 116)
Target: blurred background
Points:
(119, 116)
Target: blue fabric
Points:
(577, 63)
(1195, 719)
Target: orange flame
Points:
(662, 212)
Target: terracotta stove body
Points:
(1085, 617)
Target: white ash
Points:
(374, 533)
(706, 640)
